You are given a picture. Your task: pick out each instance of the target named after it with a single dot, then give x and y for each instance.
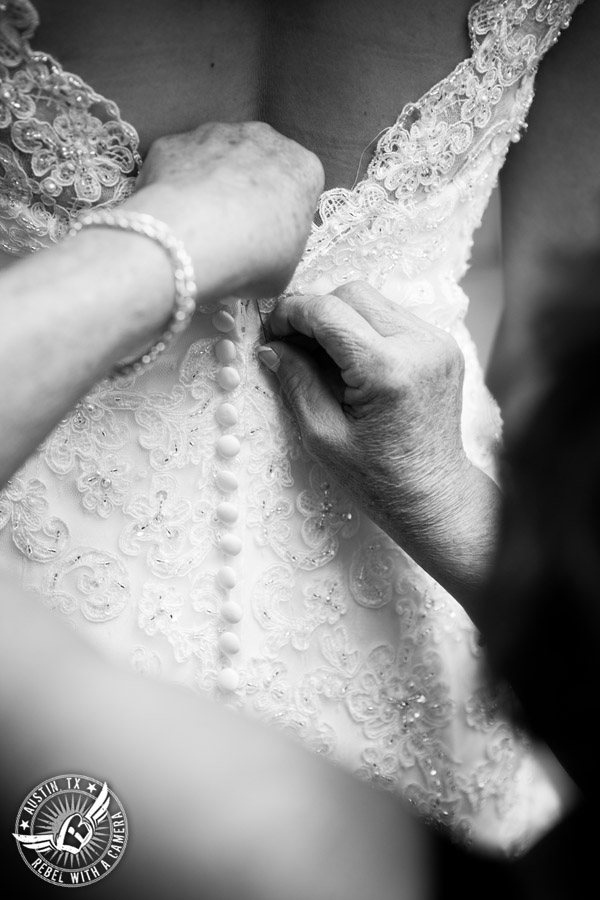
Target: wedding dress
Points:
(173, 517)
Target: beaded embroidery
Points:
(63, 147)
(176, 510)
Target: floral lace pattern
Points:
(233, 566)
(440, 159)
(63, 147)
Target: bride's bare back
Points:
(333, 73)
(328, 73)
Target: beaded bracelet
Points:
(184, 301)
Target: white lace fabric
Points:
(63, 147)
(320, 623)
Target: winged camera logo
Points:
(71, 830)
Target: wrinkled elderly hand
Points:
(240, 196)
(378, 396)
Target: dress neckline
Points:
(32, 21)
(507, 40)
(395, 144)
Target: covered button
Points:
(231, 544)
(226, 577)
(228, 680)
(226, 414)
(228, 378)
(228, 446)
(225, 351)
(229, 642)
(226, 480)
(227, 512)
(232, 612)
(223, 321)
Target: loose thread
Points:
(372, 142)
(262, 321)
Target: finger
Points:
(310, 390)
(340, 330)
(385, 316)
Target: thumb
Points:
(306, 387)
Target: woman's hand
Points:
(378, 397)
(240, 196)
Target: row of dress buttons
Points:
(228, 446)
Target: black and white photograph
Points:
(299, 448)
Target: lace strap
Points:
(512, 36)
(487, 94)
(63, 147)
(454, 137)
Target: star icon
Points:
(92, 787)
(24, 825)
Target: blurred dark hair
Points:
(543, 605)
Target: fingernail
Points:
(268, 358)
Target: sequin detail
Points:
(235, 566)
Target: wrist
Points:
(202, 238)
(227, 248)
(129, 272)
(184, 285)
(449, 525)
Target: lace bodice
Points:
(174, 518)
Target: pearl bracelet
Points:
(184, 301)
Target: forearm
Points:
(72, 312)
(69, 314)
(450, 532)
